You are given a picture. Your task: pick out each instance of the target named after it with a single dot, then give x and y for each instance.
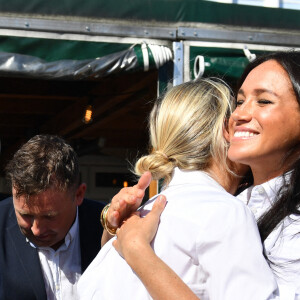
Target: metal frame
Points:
(81, 37)
(88, 28)
(282, 38)
(178, 50)
(126, 31)
(225, 45)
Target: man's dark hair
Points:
(43, 162)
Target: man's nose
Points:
(37, 227)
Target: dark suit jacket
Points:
(21, 276)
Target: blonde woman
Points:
(207, 236)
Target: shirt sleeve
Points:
(230, 251)
(283, 251)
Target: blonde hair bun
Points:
(186, 128)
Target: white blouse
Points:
(282, 246)
(208, 237)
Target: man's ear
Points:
(80, 194)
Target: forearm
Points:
(161, 281)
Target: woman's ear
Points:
(226, 135)
(226, 131)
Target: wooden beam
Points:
(153, 188)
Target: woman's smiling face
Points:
(266, 123)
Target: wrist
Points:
(135, 251)
(104, 221)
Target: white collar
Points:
(184, 177)
(261, 197)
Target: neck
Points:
(263, 173)
(228, 181)
(57, 245)
(264, 169)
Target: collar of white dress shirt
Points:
(183, 177)
(261, 197)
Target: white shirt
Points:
(208, 237)
(282, 246)
(62, 268)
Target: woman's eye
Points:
(264, 101)
(239, 102)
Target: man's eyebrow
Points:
(22, 212)
(46, 214)
(51, 214)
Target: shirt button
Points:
(253, 209)
(260, 190)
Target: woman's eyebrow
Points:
(258, 92)
(241, 92)
(261, 91)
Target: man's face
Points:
(46, 218)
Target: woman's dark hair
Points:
(288, 198)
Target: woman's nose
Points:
(242, 113)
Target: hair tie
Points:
(163, 154)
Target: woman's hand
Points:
(124, 204)
(133, 243)
(127, 201)
(136, 233)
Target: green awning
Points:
(221, 62)
(160, 11)
(52, 49)
(86, 62)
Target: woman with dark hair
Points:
(268, 108)
(289, 199)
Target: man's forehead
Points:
(34, 206)
(45, 201)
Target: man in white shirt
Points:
(48, 233)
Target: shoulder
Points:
(90, 230)
(204, 206)
(6, 206)
(7, 215)
(88, 204)
(6, 202)
(203, 197)
(90, 210)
